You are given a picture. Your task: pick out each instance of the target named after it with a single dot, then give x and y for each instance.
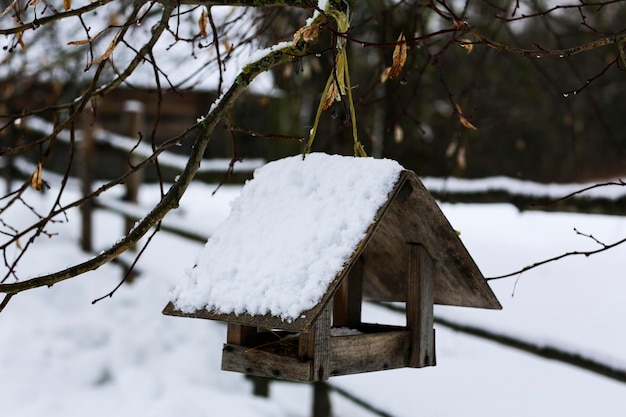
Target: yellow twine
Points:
(341, 77)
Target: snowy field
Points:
(61, 356)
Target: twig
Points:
(556, 258)
(131, 268)
(582, 190)
(5, 301)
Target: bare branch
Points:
(55, 17)
(559, 257)
(201, 134)
(581, 191)
(5, 301)
(465, 27)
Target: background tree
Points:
(487, 87)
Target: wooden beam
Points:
(348, 298)
(259, 362)
(419, 307)
(359, 353)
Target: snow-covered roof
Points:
(299, 226)
(293, 229)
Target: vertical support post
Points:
(135, 114)
(7, 137)
(348, 298)
(315, 345)
(321, 400)
(260, 386)
(87, 167)
(419, 307)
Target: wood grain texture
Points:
(419, 307)
(348, 298)
(369, 352)
(414, 217)
(259, 362)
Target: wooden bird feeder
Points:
(409, 254)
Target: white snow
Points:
(527, 188)
(142, 149)
(288, 235)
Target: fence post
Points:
(86, 169)
(260, 386)
(134, 125)
(321, 399)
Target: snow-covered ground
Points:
(62, 356)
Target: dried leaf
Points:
(468, 44)
(67, 4)
(202, 23)
(20, 41)
(18, 244)
(107, 53)
(228, 46)
(466, 123)
(463, 119)
(385, 75)
(398, 134)
(8, 8)
(331, 96)
(460, 158)
(399, 57)
(81, 42)
(34, 2)
(306, 33)
(451, 149)
(37, 180)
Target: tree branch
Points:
(538, 53)
(201, 133)
(57, 16)
(561, 256)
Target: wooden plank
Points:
(348, 298)
(419, 307)
(237, 334)
(315, 345)
(261, 363)
(321, 366)
(369, 352)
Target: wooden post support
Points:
(260, 386)
(87, 167)
(347, 300)
(419, 307)
(321, 400)
(315, 345)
